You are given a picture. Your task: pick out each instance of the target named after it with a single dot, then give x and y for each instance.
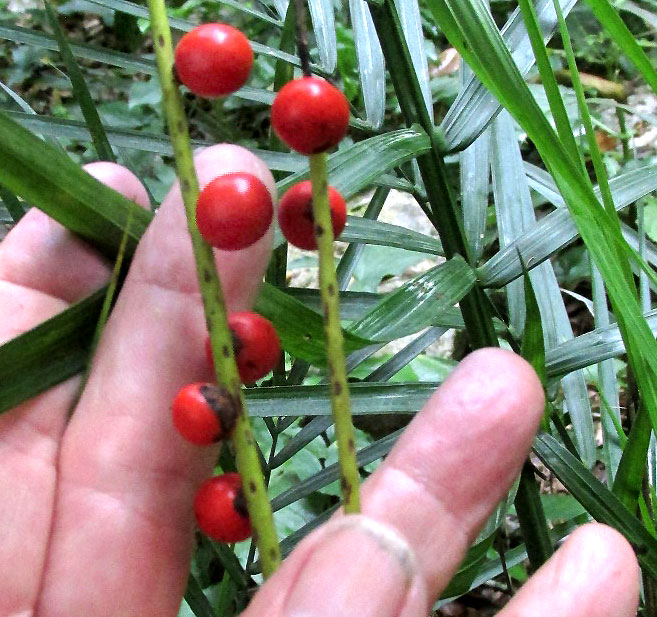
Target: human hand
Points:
(97, 511)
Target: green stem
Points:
(442, 211)
(247, 460)
(532, 518)
(624, 135)
(328, 285)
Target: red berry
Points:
(310, 115)
(213, 60)
(203, 413)
(255, 343)
(234, 211)
(295, 215)
(220, 509)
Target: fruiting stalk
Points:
(328, 285)
(248, 464)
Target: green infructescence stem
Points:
(215, 313)
(328, 285)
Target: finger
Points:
(450, 468)
(458, 459)
(594, 574)
(40, 254)
(43, 267)
(127, 479)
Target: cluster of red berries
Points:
(309, 114)
(233, 212)
(205, 413)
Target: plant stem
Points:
(625, 137)
(247, 460)
(532, 518)
(442, 211)
(328, 285)
(302, 38)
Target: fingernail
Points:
(361, 568)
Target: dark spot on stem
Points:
(351, 445)
(225, 351)
(319, 230)
(273, 553)
(252, 486)
(337, 388)
(184, 185)
(207, 276)
(331, 290)
(160, 40)
(345, 485)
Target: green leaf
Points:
(300, 329)
(385, 234)
(470, 28)
(515, 216)
(531, 518)
(599, 502)
(196, 599)
(58, 348)
(474, 176)
(140, 140)
(626, 41)
(414, 305)
(533, 347)
(367, 231)
(70, 196)
(80, 50)
(82, 94)
(475, 106)
(331, 473)
(48, 354)
(354, 168)
(323, 21)
(370, 61)
(558, 229)
(367, 398)
(14, 207)
(590, 348)
(491, 568)
(378, 263)
(349, 261)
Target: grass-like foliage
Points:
(516, 193)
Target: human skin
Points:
(97, 513)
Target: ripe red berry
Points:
(295, 215)
(234, 211)
(310, 115)
(213, 60)
(203, 413)
(255, 344)
(220, 509)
